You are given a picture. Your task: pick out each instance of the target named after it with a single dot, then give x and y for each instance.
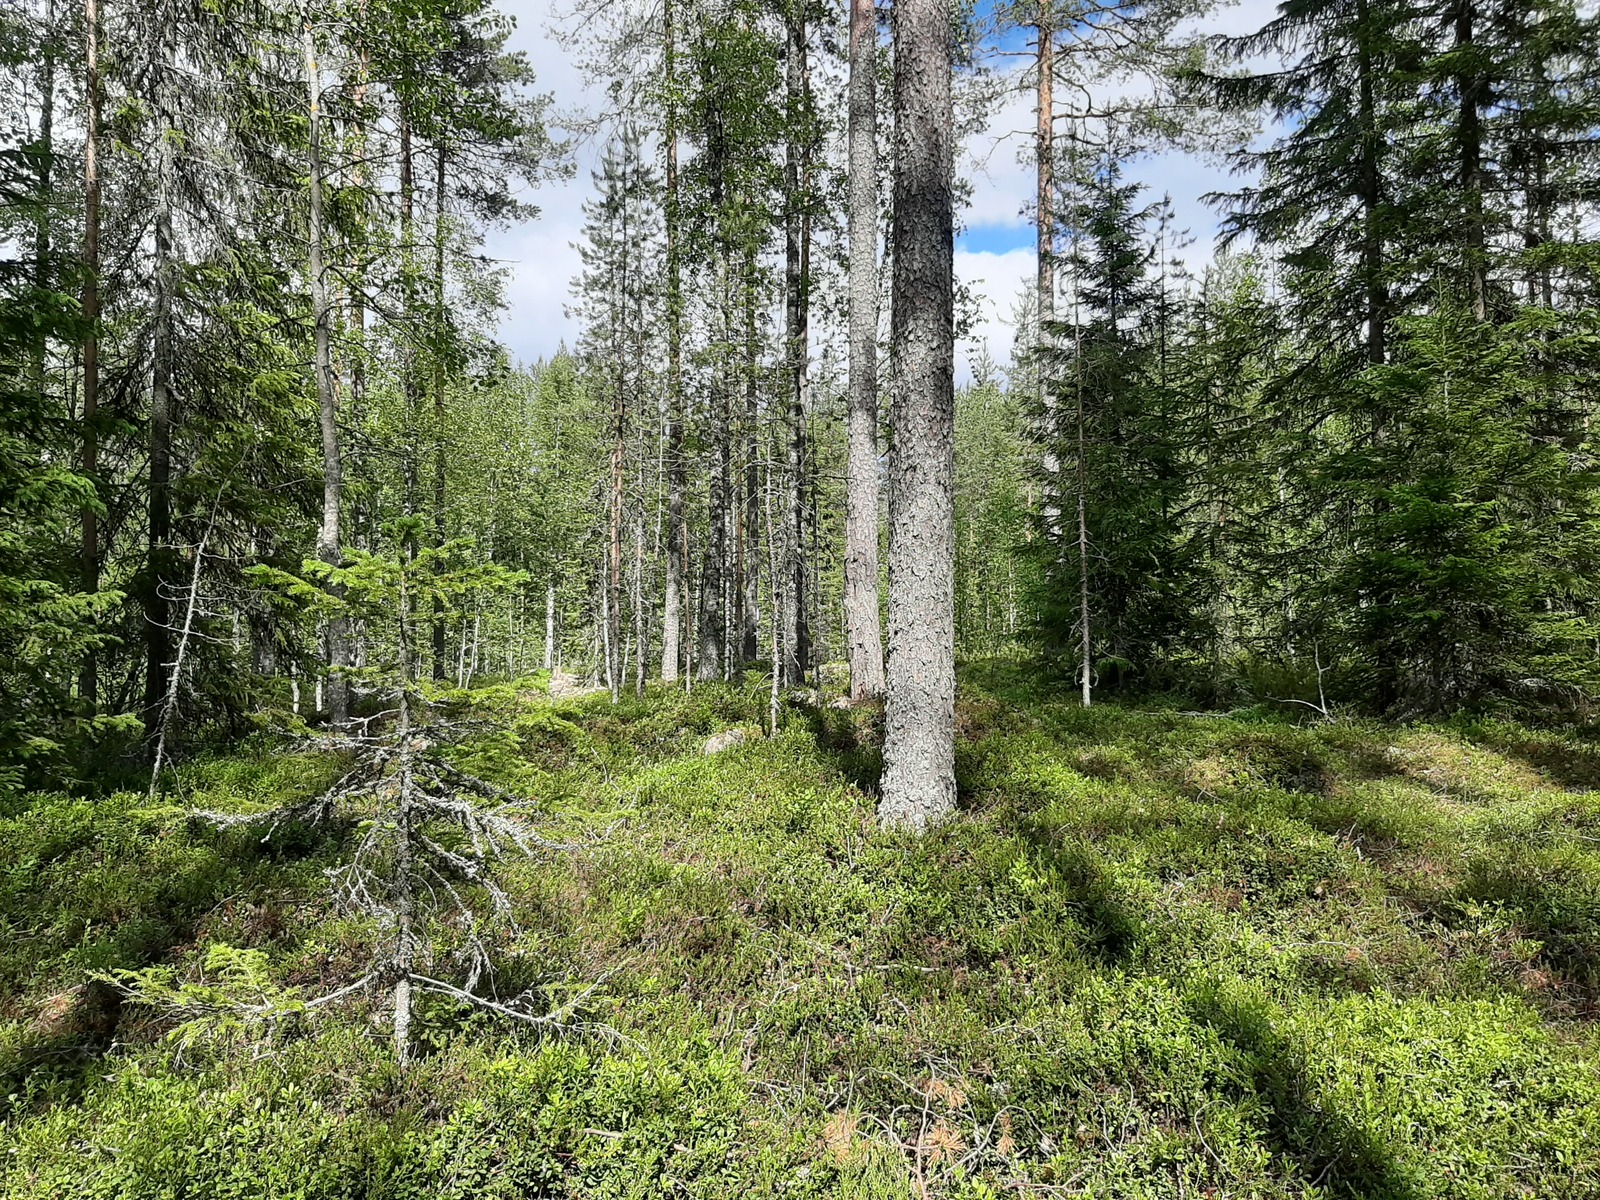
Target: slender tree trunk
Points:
(797, 353)
(918, 786)
(550, 626)
(1044, 291)
(89, 555)
(1469, 83)
(1086, 645)
(751, 607)
(641, 617)
(42, 233)
(619, 432)
(439, 334)
(1044, 162)
(776, 576)
(1371, 198)
(674, 607)
(158, 634)
(328, 534)
(863, 631)
(410, 383)
(710, 643)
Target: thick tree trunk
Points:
(89, 555)
(918, 785)
(328, 534)
(863, 631)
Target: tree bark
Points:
(89, 556)
(674, 606)
(439, 334)
(1469, 84)
(410, 384)
(158, 634)
(918, 786)
(328, 534)
(1371, 197)
(797, 343)
(710, 644)
(750, 608)
(863, 631)
(550, 626)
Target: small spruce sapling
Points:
(428, 833)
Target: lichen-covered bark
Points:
(919, 742)
(864, 636)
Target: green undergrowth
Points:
(1157, 954)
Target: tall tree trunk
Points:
(89, 556)
(863, 632)
(674, 605)
(1044, 163)
(1085, 631)
(158, 634)
(439, 335)
(919, 784)
(550, 626)
(42, 219)
(797, 346)
(1371, 197)
(328, 534)
(1469, 84)
(619, 432)
(710, 644)
(641, 609)
(751, 607)
(410, 383)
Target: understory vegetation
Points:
(1156, 954)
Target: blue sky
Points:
(994, 255)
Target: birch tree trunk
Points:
(863, 632)
(918, 786)
(550, 626)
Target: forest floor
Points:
(1157, 954)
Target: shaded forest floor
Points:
(1158, 955)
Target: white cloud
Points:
(539, 254)
(995, 279)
